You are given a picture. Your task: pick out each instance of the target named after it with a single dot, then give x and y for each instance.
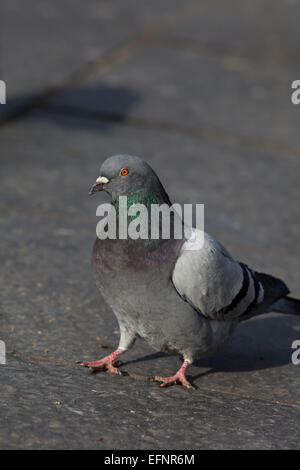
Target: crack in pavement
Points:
(107, 61)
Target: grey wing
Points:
(215, 284)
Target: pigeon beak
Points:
(99, 185)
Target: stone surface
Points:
(45, 43)
(209, 144)
(57, 407)
(256, 30)
(216, 98)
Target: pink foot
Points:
(179, 377)
(108, 363)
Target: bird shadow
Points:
(258, 344)
(148, 357)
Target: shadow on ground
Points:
(256, 345)
(94, 101)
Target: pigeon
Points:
(179, 300)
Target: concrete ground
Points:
(202, 91)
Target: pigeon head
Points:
(127, 175)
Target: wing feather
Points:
(215, 284)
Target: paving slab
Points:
(201, 94)
(101, 413)
(45, 43)
(259, 31)
(98, 413)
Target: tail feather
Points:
(286, 305)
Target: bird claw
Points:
(173, 380)
(102, 365)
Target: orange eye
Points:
(124, 171)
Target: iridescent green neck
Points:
(141, 196)
(147, 223)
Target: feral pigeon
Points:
(180, 300)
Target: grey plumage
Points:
(179, 300)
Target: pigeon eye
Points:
(124, 171)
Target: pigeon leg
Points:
(108, 363)
(179, 377)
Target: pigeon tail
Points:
(287, 305)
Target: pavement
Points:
(202, 91)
